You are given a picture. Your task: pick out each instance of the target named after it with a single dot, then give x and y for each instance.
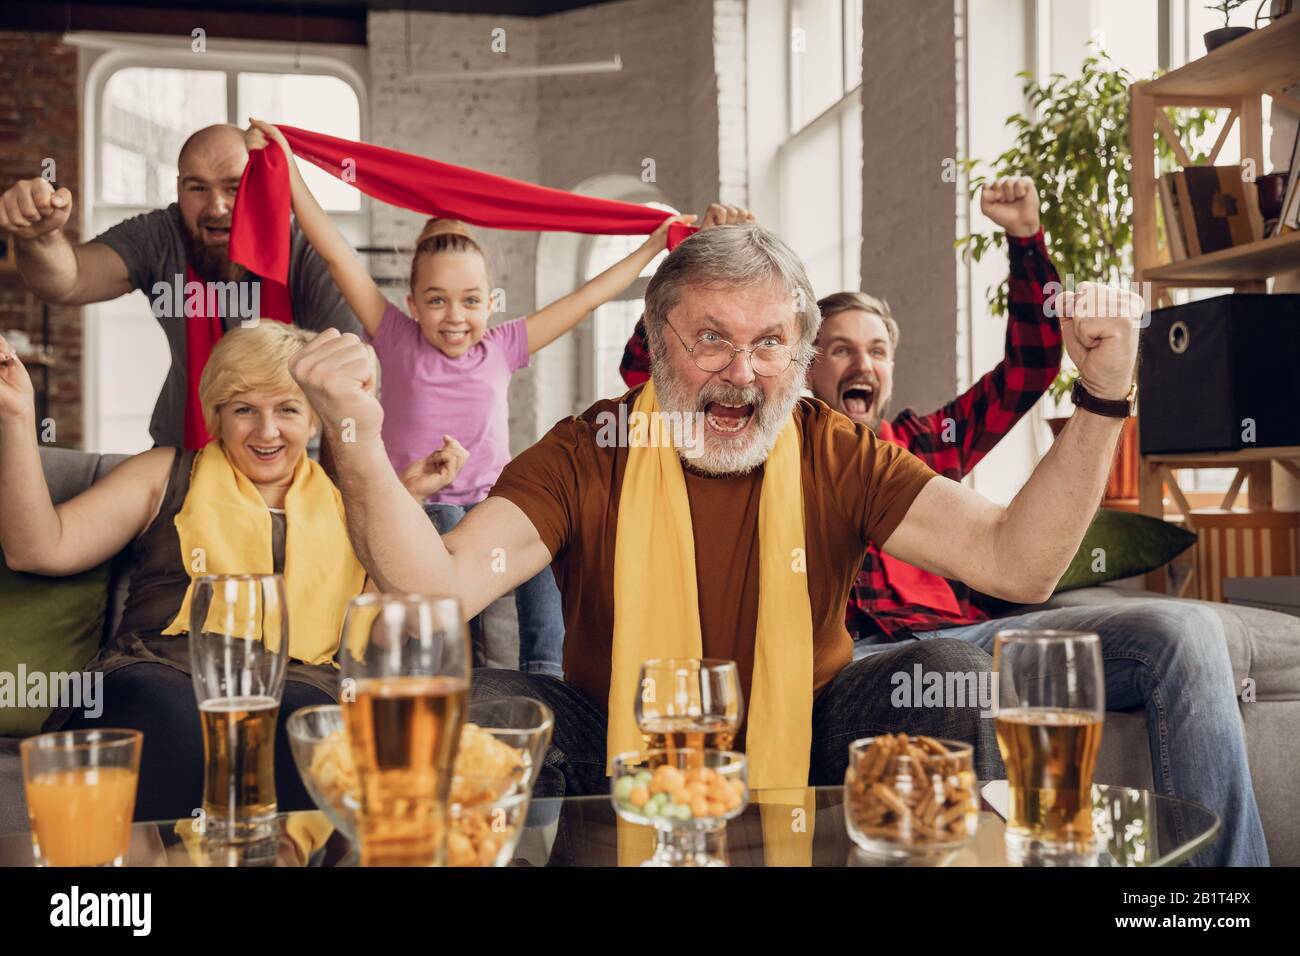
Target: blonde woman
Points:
(254, 500)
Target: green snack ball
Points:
(654, 805)
(643, 778)
(683, 812)
(623, 787)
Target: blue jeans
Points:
(537, 606)
(1169, 658)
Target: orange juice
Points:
(82, 817)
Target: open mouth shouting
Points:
(728, 418)
(857, 397)
(266, 452)
(214, 233)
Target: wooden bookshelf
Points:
(1236, 77)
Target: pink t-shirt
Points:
(426, 395)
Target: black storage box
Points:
(1213, 370)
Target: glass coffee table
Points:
(1134, 828)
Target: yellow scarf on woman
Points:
(656, 603)
(225, 528)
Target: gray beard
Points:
(720, 457)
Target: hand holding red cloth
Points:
(259, 229)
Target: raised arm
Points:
(1020, 552)
(33, 213)
(349, 274)
(395, 540)
(37, 536)
(547, 325)
(990, 408)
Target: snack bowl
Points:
(684, 795)
(319, 743)
(908, 796)
(501, 751)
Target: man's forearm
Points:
(48, 265)
(390, 533)
(1049, 516)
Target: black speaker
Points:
(1221, 374)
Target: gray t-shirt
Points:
(153, 247)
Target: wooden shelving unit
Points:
(1235, 77)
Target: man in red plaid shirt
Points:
(1168, 658)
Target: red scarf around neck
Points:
(911, 584)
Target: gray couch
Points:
(1263, 645)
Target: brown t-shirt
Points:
(855, 488)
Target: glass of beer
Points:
(239, 645)
(80, 787)
(689, 704)
(1051, 705)
(406, 672)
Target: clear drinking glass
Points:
(690, 704)
(239, 650)
(1051, 708)
(80, 787)
(406, 675)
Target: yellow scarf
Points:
(656, 604)
(225, 528)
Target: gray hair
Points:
(731, 257)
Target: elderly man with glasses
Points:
(746, 550)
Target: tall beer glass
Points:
(406, 673)
(239, 649)
(1051, 705)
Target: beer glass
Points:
(1051, 705)
(239, 645)
(406, 674)
(80, 787)
(688, 704)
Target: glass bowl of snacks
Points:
(502, 748)
(685, 795)
(320, 749)
(907, 796)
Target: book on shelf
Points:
(1174, 237)
(1214, 208)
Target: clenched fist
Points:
(31, 208)
(1100, 326)
(337, 373)
(427, 476)
(17, 397)
(1012, 203)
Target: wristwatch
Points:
(1109, 407)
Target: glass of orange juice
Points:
(80, 788)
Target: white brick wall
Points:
(909, 122)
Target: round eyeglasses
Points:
(715, 354)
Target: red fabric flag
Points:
(910, 583)
(259, 228)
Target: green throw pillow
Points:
(47, 626)
(1120, 544)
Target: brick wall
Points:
(909, 123)
(39, 119)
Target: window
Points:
(141, 105)
(614, 322)
(820, 160)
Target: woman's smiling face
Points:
(266, 433)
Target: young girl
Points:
(444, 373)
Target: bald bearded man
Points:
(161, 253)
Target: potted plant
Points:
(1075, 145)
(1216, 38)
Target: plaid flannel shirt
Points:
(953, 439)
